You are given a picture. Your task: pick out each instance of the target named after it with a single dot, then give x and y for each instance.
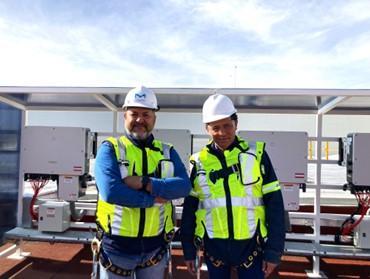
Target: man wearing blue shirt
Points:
(137, 177)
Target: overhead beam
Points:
(106, 102)
(12, 102)
(331, 104)
(66, 108)
(186, 91)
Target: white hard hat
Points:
(217, 107)
(141, 97)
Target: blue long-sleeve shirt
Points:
(231, 250)
(112, 190)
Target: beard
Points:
(139, 136)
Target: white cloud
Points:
(38, 55)
(164, 53)
(356, 10)
(241, 15)
(352, 50)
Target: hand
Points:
(159, 200)
(268, 268)
(133, 182)
(191, 267)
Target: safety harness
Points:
(109, 266)
(257, 251)
(102, 257)
(223, 173)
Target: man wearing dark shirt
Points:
(235, 208)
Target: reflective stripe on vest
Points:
(248, 188)
(246, 200)
(124, 221)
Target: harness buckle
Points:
(217, 263)
(169, 236)
(152, 261)
(198, 242)
(95, 245)
(258, 240)
(247, 265)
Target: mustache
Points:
(140, 125)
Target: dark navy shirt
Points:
(233, 251)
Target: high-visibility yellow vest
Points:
(231, 190)
(137, 222)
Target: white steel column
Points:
(20, 174)
(317, 211)
(316, 224)
(115, 123)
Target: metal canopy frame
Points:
(253, 100)
(269, 100)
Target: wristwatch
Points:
(144, 182)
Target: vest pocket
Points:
(166, 168)
(202, 178)
(203, 184)
(247, 163)
(123, 168)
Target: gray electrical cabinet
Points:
(361, 236)
(358, 159)
(58, 153)
(54, 216)
(55, 150)
(288, 154)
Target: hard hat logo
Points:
(141, 97)
(217, 107)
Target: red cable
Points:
(363, 201)
(37, 185)
(33, 200)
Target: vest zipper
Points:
(142, 210)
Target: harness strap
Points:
(99, 231)
(248, 261)
(95, 248)
(223, 173)
(155, 259)
(109, 266)
(246, 264)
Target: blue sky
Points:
(195, 43)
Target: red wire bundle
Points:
(37, 185)
(363, 199)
